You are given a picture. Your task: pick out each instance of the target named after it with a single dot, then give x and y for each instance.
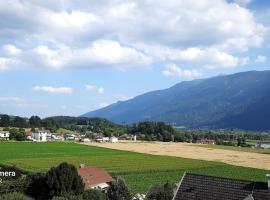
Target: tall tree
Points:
(64, 179)
(118, 190)
(35, 122)
(5, 121)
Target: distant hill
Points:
(240, 101)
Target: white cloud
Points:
(13, 99)
(94, 88)
(103, 104)
(6, 63)
(101, 52)
(111, 32)
(49, 89)
(11, 50)
(260, 59)
(173, 70)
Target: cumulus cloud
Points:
(101, 52)
(11, 50)
(173, 70)
(260, 59)
(50, 89)
(6, 63)
(94, 88)
(124, 33)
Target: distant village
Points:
(89, 136)
(46, 136)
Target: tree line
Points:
(64, 183)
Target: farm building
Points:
(194, 186)
(94, 177)
(40, 135)
(113, 139)
(4, 135)
(205, 141)
(264, 145)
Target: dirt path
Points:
(185, 150)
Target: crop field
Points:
(139, 170)
(243, 149)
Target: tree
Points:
(35, 122)
(15, 196)
(37, 186)
(17, 134)
(118, 190)
(20, 122)
(165, 194)
(64, 180)
(5, 121)
(93, 195)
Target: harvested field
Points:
(185, 150)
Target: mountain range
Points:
(236, 101)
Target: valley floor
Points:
(185, 150)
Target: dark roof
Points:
(93, 176)
(154, 189)
(201, 187)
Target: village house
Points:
(113, 139)
(4, 135)
(264, 145)
(206, 141)
(40, 135)
(194, 186)
(94, 177)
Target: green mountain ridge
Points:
(237, 101)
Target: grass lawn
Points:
(139, 170)
(245, 149)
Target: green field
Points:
(244, 149)
(139, 170)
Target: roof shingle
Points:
(200, 187)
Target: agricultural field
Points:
(243, 149)
(194, 151)
(139, 170)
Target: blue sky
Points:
(70, 57)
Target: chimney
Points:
(268, 180)
(82, 166)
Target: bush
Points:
(37, 186)
(15, 196)
(93, 195)
(68, 197)
(64, 180)
(13, 185)
(118, 190)
(165, 194)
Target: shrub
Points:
(13, 185)
(93, 195)
(15, 196)
(37, 186)
(64, 180)
(118, 190)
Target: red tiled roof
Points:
(92, 176)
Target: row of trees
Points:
(20, 122)
(59, 183)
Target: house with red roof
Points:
(94, 177)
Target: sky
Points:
(64, 57)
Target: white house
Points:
(264, 145)
(40, 135)
(113, 139)
(4, 135)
